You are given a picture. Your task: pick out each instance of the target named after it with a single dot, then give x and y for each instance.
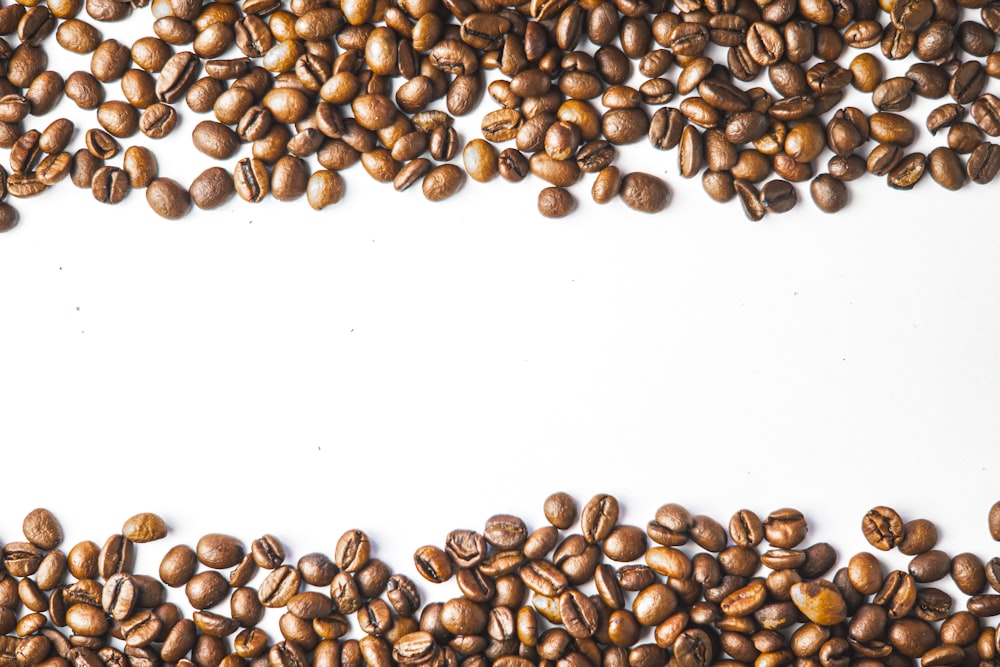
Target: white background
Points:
(410, 368)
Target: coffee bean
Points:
(168, 199)
(785, 528)
(144, 527)
(947, 170)
(778, 196)
(968, 572)
(820, 601)
(110, 186)
(211, 189)
(649, 194)
(157, 120)
(904, 176)
(829, 194)
(289, 178)
(42, 529)
(555, 202)
(883, 528)
(898, 594)
(431, 562)
(560, 510)
(280, 584)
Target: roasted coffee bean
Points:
(897, 595)
(829, 194)
(177, 75)
(967, 82)
(289, 178)
(930, 566)
(785, 528)
(968, 573)
(210, 189)
(908, 172)
(110, 185)
(251, 182)
(215, 139)
(206, 589)
(982, 167)
(555, 202)
(157, 120)
(598, 517)
(778, 196)
(178, 565)
(945, 115)
(431, 562)
(219, 551)
(946, 169)
(139, 88)
(118, 553)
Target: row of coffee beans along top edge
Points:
(315, 87)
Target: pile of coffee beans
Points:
(684, 591)
(312, 87)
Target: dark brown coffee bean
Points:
(203, 93)
(215, 139)
(946, 169)
(986, 112)
(431, 562)
(829, 194)
(778, 196)
(8, 217)
(968, 572)
(648, 194)
(555, 202)
(289, 178)
(846, 169)
(110, 185)
(746, 528)
(77, 36)
(930, 566)
(785, 528)
(139, 88)
(151, 53)
(967, 82)
(882, 526)
(158, 120)
(932, 604)
(219, 551)
(929, 80)
(283, 582)
(898, 592)
(983, 163)
(81, 174)
(905, 175)
(598, 517)
(177, 75)
(719, 185)
(414, 648)
(118, 118)
(504, 531)
(206, 589)
(178, 565)
(118, 553)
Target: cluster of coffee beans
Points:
(330, 84)
(682, 592)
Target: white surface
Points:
(410, 368)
